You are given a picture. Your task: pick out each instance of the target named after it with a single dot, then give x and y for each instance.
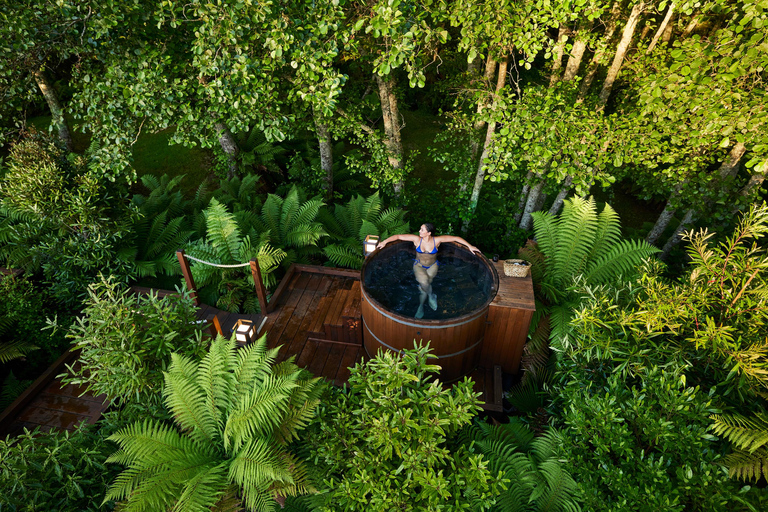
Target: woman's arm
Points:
(458, 240)
(406, 237)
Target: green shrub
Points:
(644, 445)
(385, 442)
(57, 216)
(23, 310)
(126, 340)
(55, 471)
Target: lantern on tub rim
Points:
(371, 241)
(245, 331)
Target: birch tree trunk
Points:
(577, 53)
(326, 154)
(229, 145)
(557, 54)
(391, 118)
(661, 222)
(729, 167)
(558, 202)
(523, 197)
(755, 181)
(57, 113)
(688, 219)
(594, 64)
(621, 51)
(490, 130)
(662, 28)
(667, 36)
(490, 70)
(526, 222)
(691, 26)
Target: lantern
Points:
(371, 241)
(245, 332)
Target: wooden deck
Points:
(51, 405)
(314, 316)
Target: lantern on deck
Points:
(245, 332)
(371, 241)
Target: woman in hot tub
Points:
(425, 265)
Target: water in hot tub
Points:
(462, 284)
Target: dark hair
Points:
(430, 227)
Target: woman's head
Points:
(427, 229)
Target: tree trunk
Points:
(326, 155)
(558, 202)
(691, 26)
(688, 219)
(621, 51)
(662, 28)
(57, 114)
(557, 54)
(594, 64)
(490, 130)
(754, 183)
(391, 117)
(526, 222)
(490, 70)
(577, 53)
(729, 167)
(229, 145)
(667, 36)
(661, 223)
(523, 197)
(473, 68)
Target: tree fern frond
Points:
(748, 465)
(204, 489)
(289, 210)
(222, 232)
(608, 233)
(621, 259)
(15, 349)
(576, 229)
(216, 379)
(308, 212)
(270, 214)
(746, 434)
(343, 256)
(187, 401)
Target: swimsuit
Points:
(418, 249)
(433, 251)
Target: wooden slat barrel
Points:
(457, 342)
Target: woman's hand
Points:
(381, 244)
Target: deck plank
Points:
(293, 334)
(295, 345)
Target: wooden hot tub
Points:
(457, 342)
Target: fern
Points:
(748, 434)
(746, 465)
(225, 244)
(235, 412)
(575, 251)
(537, 479)
(11, 389)
(349, 225)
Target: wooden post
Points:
(188, 276)
(214, 326)
(259, 282)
